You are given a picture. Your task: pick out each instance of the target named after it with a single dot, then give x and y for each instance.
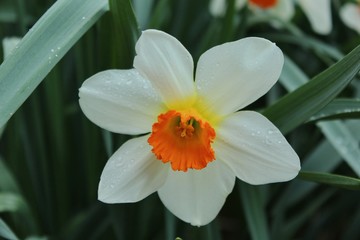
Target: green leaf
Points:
(7, 11)
(331, 179)
(10, 202)
(143, 11)
(339, 108)
(308, 42)
(298, 106)
(6, 232)
(42, 47)
(338, 134)
(344, 141)
(126, 32)
(324, 158)
(253, 205)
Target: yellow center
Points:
(264, 3)
(184, 139)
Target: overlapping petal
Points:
(197, 196)
(120, 101)
(255, 149)
(350, 15)
(163, 60)
(232, 75)
(132, 173)
(319, 14)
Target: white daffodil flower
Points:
(317, 11)
(194, 142)
(350, 15)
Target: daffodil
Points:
(317, 11)
(192, 142)
(350, 15)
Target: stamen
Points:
(183, 139)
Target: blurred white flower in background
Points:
(317, 11)
(350, 15)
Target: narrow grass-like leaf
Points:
(291, 76)
(170, 225)
(339, 109)
(42, 47)
(10, 202)
(6, 232)
(7, 12)
(331, 179)
(336, 132)
(292, 225)
(9, 184)
(344, 141)
(126, 32)
(254, 209)
(143, 11)
(323, 159)
(308, 42)
(298, 106)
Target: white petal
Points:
(132, 173)
(319, 14)
(120, 101)
(232, 75)
(350, 15)
(255, 149)
(163, 60)
(196, 196)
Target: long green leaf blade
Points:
(126, 32)
(337, 133)
(254, 209)
(298, 106)
(339, 109)
(6, 232)
(42, 47)
(331, 179)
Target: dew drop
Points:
(268, 141)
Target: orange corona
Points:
(264, 3)
(184, 139)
